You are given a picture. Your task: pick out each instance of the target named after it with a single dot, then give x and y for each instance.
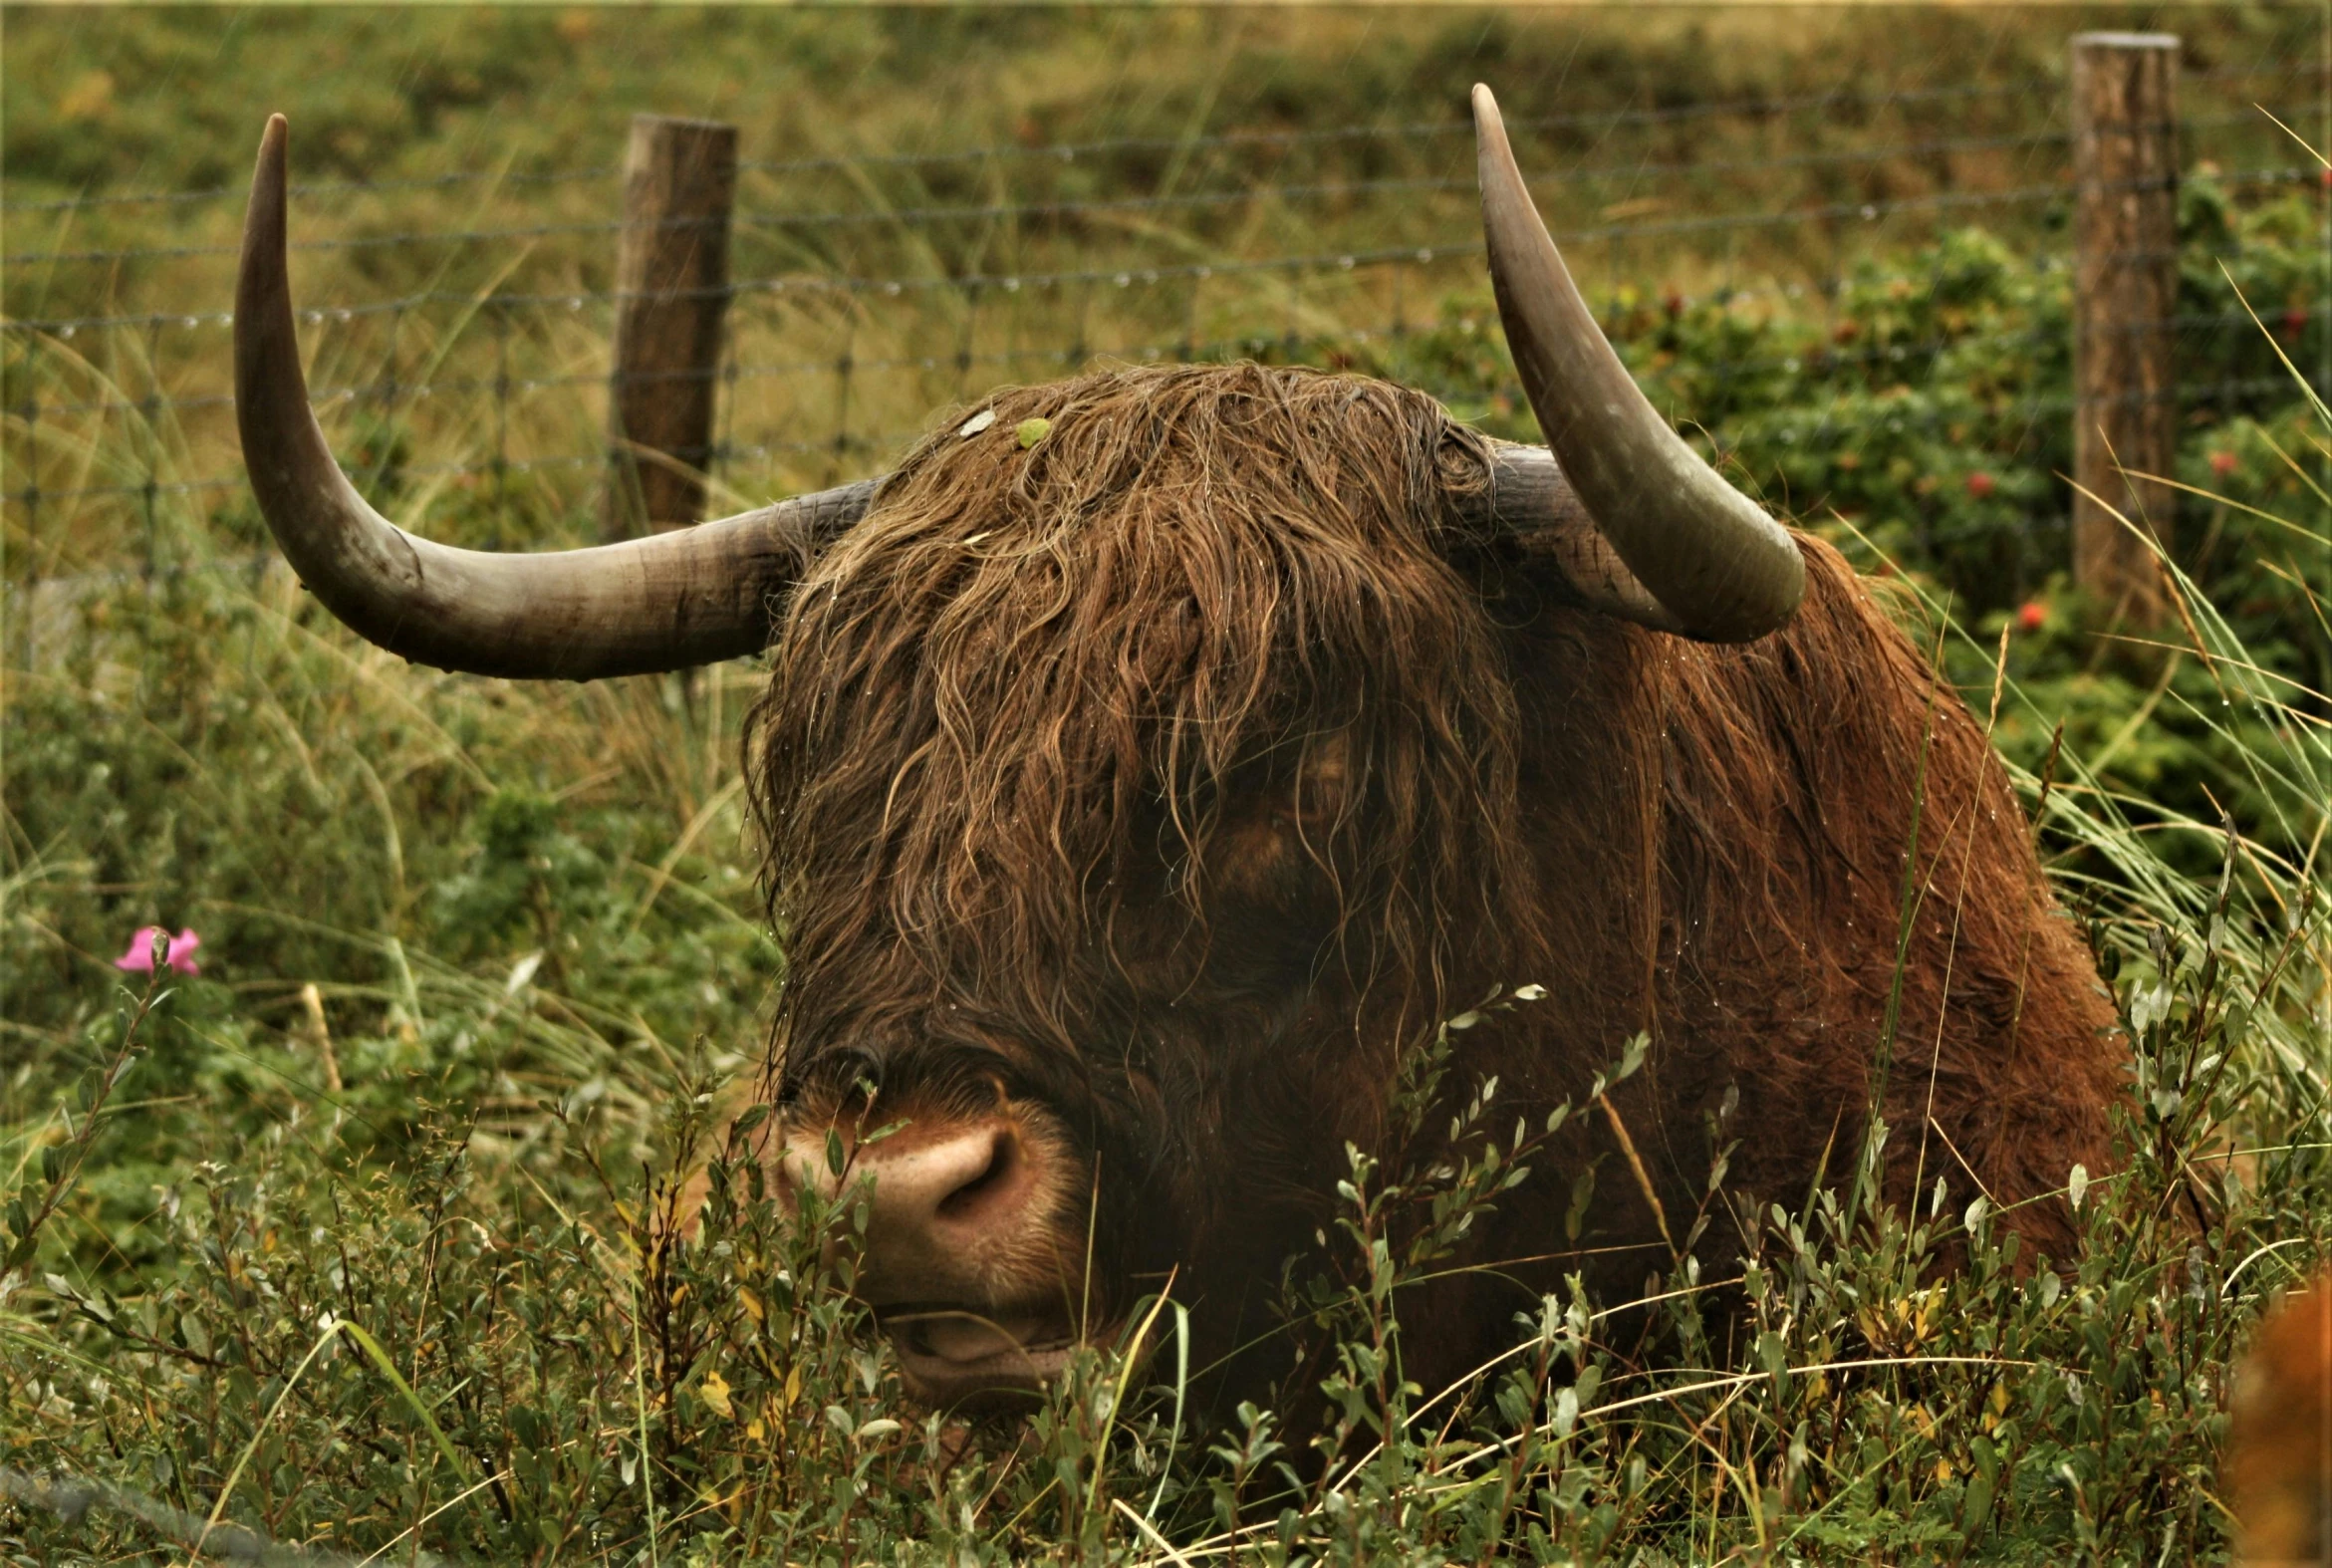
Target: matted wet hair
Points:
(1194, 581)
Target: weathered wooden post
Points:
(673, 288)
(2125, 295)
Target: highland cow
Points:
(1136, 797)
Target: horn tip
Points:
(269, 178)
(1489, 134)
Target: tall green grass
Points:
(1612, 112)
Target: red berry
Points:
(2033, 616)
(2224, 464)
(1981, 484)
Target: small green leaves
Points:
(1031, 432)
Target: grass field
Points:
(352, 1240)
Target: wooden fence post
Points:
(2125, 295)
(673, 288)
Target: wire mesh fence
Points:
(462, 370)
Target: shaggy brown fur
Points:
(1180, 771)
(2278, 1467)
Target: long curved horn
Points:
(665, 602)
(1531, 499)
(1720, 568)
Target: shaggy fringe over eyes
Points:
(1194, 578)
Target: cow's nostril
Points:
(994, 1178)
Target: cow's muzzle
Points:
(973, 1254)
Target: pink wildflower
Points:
(180, 956)
(1981, 484)
(2224, 464)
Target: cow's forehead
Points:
(1040, 714)
(1206, 557)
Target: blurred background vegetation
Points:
(460, 925)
